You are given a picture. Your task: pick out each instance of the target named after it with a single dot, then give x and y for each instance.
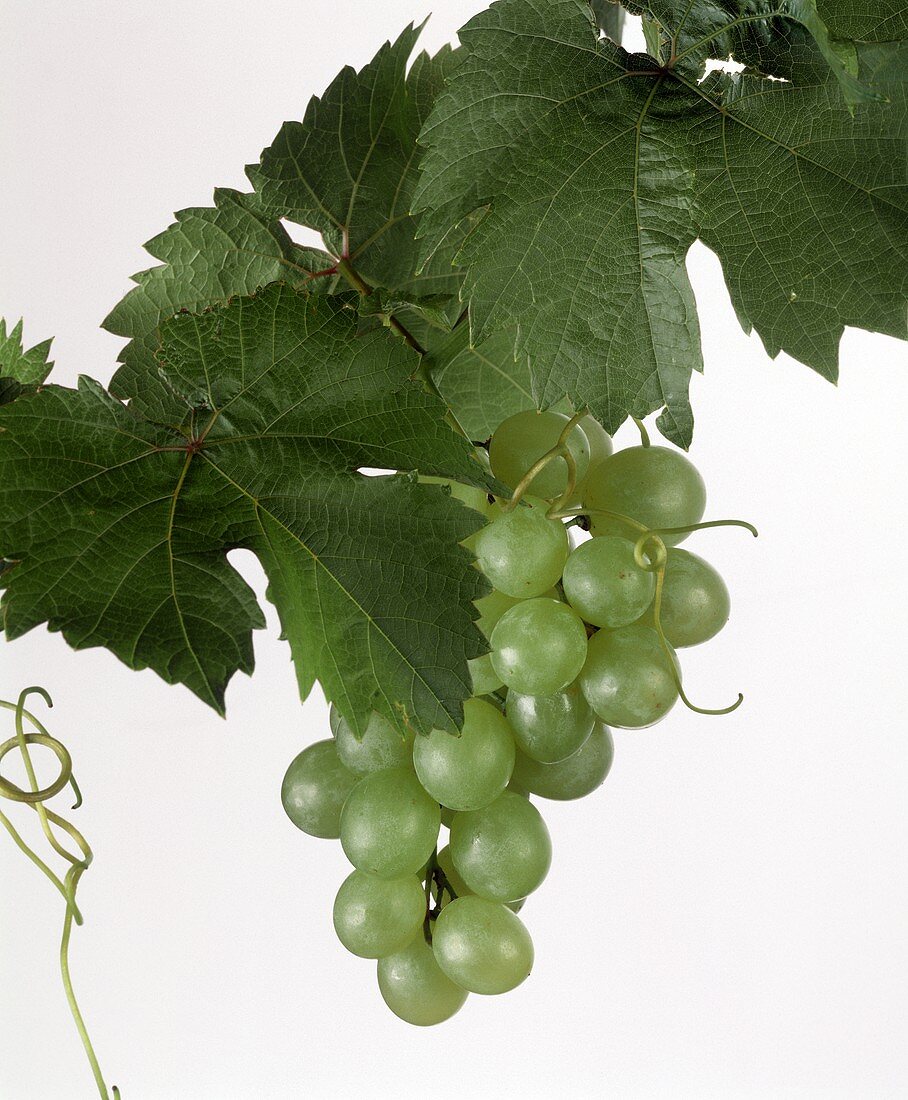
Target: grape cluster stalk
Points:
(582, 638)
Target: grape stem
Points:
(644, 434)
(49, 819)
(345, 267)
(560, 450)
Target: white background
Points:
(726, 918)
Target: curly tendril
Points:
(79, 863)
(560, 450)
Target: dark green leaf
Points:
(120, 527)
(481, 385)
(349, 168)
(600, 170)
(209, 254)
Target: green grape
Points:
(374, 917)
(315, 788)
(503, 851)
(474, 498)
(485, 678)
(521, 552)
(656, 486)
(381, 746)
(415, 987)
(604, 584)
(389, 825)
(550, 727)
(627, 678)
(575, 777)
(468, 771)
(539, 646)
(599, 440)
(457, 884)
(525, 437)
(493, 606)
(482, 946)
(695, 601)
(447, 816)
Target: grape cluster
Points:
(581, 638)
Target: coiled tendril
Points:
(649, 550)
(67, 886)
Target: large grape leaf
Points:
(348, 170)
(20, 369)
(601, 168)
(119, 516)
(209, 254)
(480, 385)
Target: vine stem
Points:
(353, 277)
(359, 284)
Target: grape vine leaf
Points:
(600, 169)
(480, 385)
(209, 254)
(348, 170)
(20, 369)
(867, 20)
(119, 521)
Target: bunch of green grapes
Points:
(580, 639)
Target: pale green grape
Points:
(415, 987)
(381, 746)
(575, 777)
(550, 727)
(525, 437)
(447, 816)
(695, 600)
(656, 486)
(599, 440)
(604, 584)
(468, 771)
(484, 677)
(315, 788)
(482, 946)
(389, 825)
(457, 884)
(493, 606)
(503, 851)
(539, 646)
(378, 916)
(521, 552)
(627, 678)
(469, 495)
